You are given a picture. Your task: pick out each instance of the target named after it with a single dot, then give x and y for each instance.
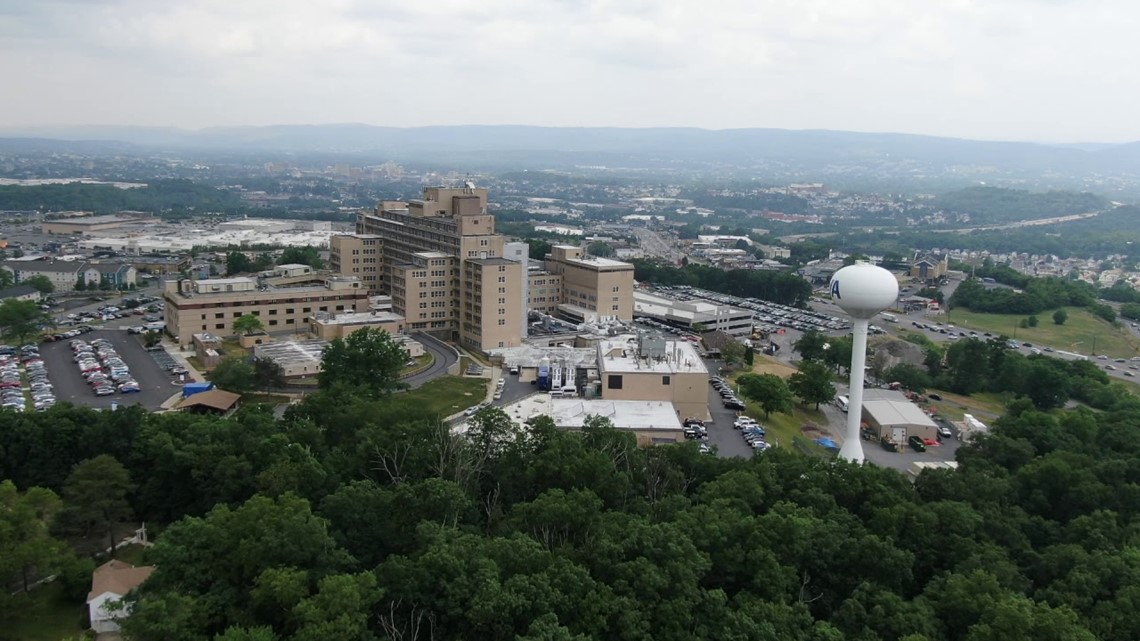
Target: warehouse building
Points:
(889, 414)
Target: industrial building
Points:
(194, 306)
(651, 368)
(693, 315)
(302, 359)
(91, 224)
(652, 422)
(889, 414)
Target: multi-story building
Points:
(444, 265)
(592, 288)
(65, 275)
(654, 369)
(358, 255)
(212, 305)
(450, 273)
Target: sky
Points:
(1034, 70)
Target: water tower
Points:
(862, 290)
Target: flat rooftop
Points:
(571, 413)
(689, 311)
(888, 413)
(621, 356)
(292, 351)
(361, 318)
(529, 355)
(595, 261)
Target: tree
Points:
(152, 338)
(267, 374)
(248, 324)
(1060, 316)
(24, 523)
(238, 263)
(749, 355)
(812, 383)
(96, 494)
(909, 376)
(769, 390)
(7, 279)
(732, 352)
(600, 248)
(42, 283)
(235, 374)
(838, 354)
(1032, 321)
(307, 255)
(367, 359)
(22, 319)
(811, 346)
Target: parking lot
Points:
(156, 385)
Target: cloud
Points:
(1021, 69)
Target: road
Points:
(443, 357)
(653, 244)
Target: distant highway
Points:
(653, 244)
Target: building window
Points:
(218, 326)
(219, 315)
(273, 312)
(614, 381)
(273, 322)
(237, 314)
(664, 380)
(306, 310)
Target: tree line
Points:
(1037, 295)
(780, 287)
(360, 515)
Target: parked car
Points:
(916, 444)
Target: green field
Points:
(781, 427)
(1080, 333)
(43, 615)
(450, 394)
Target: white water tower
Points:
(862, 290)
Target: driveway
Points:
(444, 356)
(156, 384)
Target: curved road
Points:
(443, 355)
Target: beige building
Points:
(330, 326)
(359, 255)
(592, 288)
(444, 265)
(89, 224)
(195, 306)
(654, 369)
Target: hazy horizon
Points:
(1043, 71)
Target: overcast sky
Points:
(1042, 70)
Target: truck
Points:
(890, 318)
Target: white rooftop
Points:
(596, 261)
(690, 311)
(571, 413)
(897, 413)
(527, 355)
(242, 280)
(360, 318)
(618, 356)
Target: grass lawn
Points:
(420, 364)
(43, 615)
(449, 394)
(983, 405)
(781, 427)
(272, 399)
(1079, 333)
(762, 364)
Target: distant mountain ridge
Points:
(728, 146)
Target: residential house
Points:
(109, 584)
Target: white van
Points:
(841, 403)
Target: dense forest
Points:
(358, 518)
(990, 205)
(157, 196)
(776, 286)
